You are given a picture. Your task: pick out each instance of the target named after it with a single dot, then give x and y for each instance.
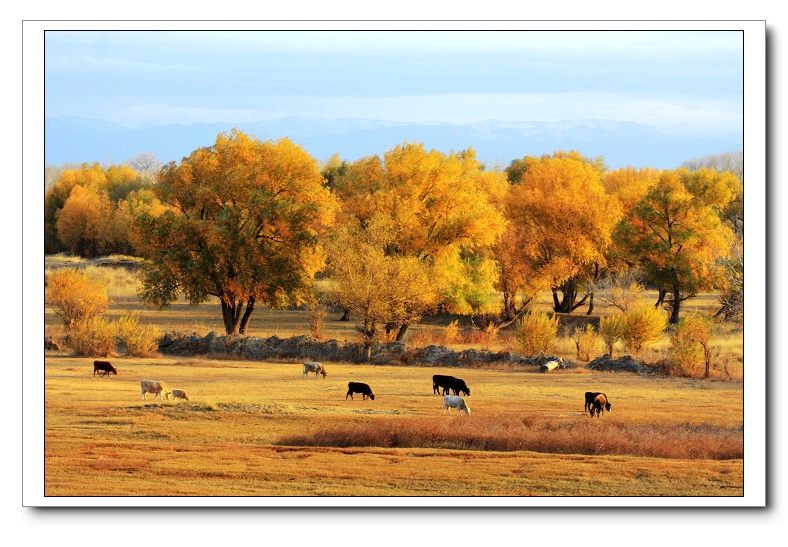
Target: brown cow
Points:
(599, 404)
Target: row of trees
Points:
(89, 209)
(253, 223)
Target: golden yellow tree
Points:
(83, 224)
(561, 221)
(438, 215)
(87, 176)
(244, 224)
(676, 235)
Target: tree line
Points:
(393, 237)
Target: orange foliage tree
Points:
(244, 225)
(561, 221)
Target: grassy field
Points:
(259, 429)
(231, 438)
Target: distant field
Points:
(206, 317)
(230, 439)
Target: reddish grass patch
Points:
(510, 433)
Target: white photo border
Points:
(754, 385)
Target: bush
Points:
(536, 333)
(611, 330)
(137, 340)
(74, 296)
(690, 344)
(94, 337)
(642, 325)
(317, 318)
(452, 332)
(586, 342)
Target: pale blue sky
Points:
(687, 83)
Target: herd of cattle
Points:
(595, 402)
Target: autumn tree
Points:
(379, 289)
(676, 235)
(83, 224)
(561, 220)
(438, 216)
(127, 210)
(243, 224)
(87, 176)
(88, 225)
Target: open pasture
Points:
(237, 435)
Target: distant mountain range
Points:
(78, 140)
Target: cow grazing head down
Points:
(599, 404)
(104, 368)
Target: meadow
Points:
(259, 429)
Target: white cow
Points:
(159, 389)
(455, 401)
(312, 366)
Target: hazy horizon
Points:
(682, 90)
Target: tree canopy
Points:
(676, 235)
(244, 225)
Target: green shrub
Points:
(536, 333)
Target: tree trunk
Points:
(675, 305)
(568, 297)
(401, 333)
(707, 358)
(226, 316)
(508, 304)
(231, 313)
(247, 315)
(661, 297)
(591, 305)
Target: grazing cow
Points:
(358, 387)
(317, 368)
(179, 394)
(449, 384)
(159, 389)
(599, 404)
(453, 401)
(104, 368)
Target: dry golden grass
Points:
(101, 439)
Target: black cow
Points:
(449, 384)
(358, 387)
(598, 402)
(103, 367)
